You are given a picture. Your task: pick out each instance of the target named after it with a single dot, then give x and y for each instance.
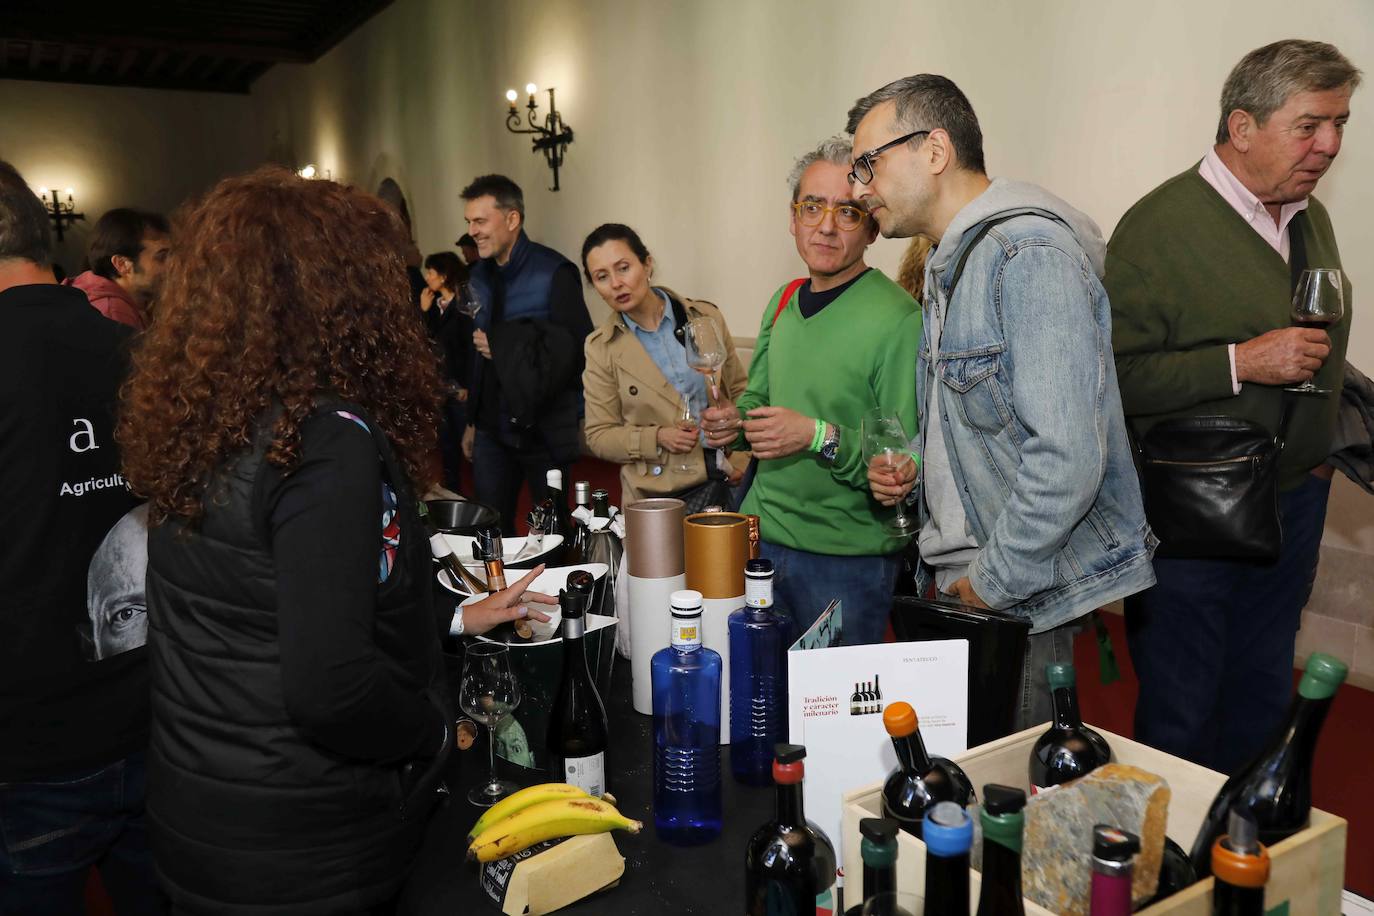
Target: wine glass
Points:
(467, 301)
(489, 692)
(687, 420)
(705, 350)
(885, 441)
(1318, 302)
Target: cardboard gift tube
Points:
(716, 546)
(654, 559)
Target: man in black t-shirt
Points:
(73, 672)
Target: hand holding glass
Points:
(886, 443)
(1318, 302)
(489, 692)
(705, 351)
(468, 302)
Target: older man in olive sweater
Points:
(1200, 278)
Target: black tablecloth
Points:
(659, 880)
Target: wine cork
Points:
(653, 538)
(716, 546)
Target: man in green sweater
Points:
(1200, 275)
(843, 343)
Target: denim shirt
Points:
(671, 356)
(1031, 417)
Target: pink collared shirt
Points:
(1251, 209)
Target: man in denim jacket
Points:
(1030, 500)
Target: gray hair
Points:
(834, 149)
(24, 231)
(928, 101)
(1267, 77)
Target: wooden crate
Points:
(1308, 868)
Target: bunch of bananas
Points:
(539, 813)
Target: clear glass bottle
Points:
(686, 686)
(759, 637)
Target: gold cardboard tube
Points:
(653, 538)
(717, 546)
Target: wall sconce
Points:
(61, 213)
(309, 171)
(551, 137)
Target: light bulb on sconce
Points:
(531, 88)
(307, 172)
(62, 213)
(69, 192)
(511, 96)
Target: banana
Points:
(546, 820)
(519, 801)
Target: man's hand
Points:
(1283, 356)
(676, 441)
(721, 424)
(510, 604)
(963, 591)
(776, 432)
(479, 342)
(890, 483)
(469, 440)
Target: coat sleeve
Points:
(609, 437)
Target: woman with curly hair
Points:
(279, 420)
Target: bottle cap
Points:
(1002, 799)
(755, 569)
(1112, 844)
(487, 544)
(554, 479)
(1060, 674)
(900, 719)
(1238, 858)
(599, 493)
(685, 603)
(879, 846)
(583, 490)
(1322, 675)
(788, 768)
(948, 830)
(581, 582)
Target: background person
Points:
(1200, 273)
(451, 332)
(637, 377)
(280, 419)
(126, 255)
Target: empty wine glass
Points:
(705, 350)
(885, 441)
(1318, 302)
(688, 421)
(467, 301)
(489, 692)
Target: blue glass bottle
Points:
(686, 679)
(759, 637)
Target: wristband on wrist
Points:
(455, 628)
(819, 437)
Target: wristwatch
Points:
(830, 445)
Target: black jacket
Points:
(267, 792)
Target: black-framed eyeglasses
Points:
(863, 166)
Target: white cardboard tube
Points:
(650, 624)
(715, 634)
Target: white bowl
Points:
(548, 582)
(463, 546)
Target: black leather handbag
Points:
(1211, 487)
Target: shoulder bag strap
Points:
(787, 295)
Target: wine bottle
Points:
(576, 553)
(877, 700)
(1175, 873)
(789, 863)
(878, 850)
(1003, 821)
(759, 636)
(686, 686)
(1277, 787)
(1240, 868)
(443, 554)
(578, 734)
(488, 549)
(1068, 749)
(601, 504)
(856, 701)
(866, 706)
(919, 781)
(1113, 865)
(948, 832)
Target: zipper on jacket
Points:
(1203, 464)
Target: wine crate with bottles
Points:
(1306, 869)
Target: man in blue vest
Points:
(525, 398)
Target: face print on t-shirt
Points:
(115, 599)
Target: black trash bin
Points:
(996, 654)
